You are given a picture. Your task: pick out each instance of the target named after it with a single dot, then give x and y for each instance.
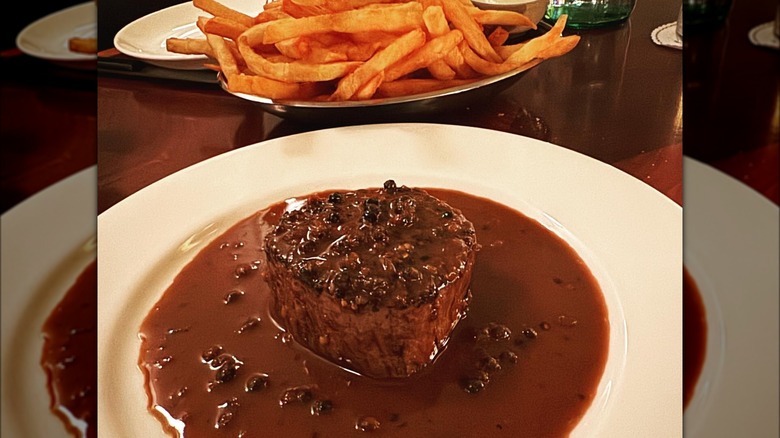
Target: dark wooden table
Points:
(732, 98)
(48, 119)
(616, 97)
(48, 112)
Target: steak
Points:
(375, 279)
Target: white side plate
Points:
(145, 37)
(47, 38)
(47, 242)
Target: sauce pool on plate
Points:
(694, 336)
(69, 355)
(525, 361)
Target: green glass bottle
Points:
(590, 14)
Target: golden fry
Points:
(501, 18)
(395, 18)
(320, 53)
(482, 66)
(460, 17)
(560, 47)
(271, 14)
(440, 70)
(340, 5)
(294, 71)
(297, 10)
(254, 35)
(369, 88)
(492, 69)
(506, 51)
(498, 37)
(435, 21)
(218, 9)
(295, 48)
(224, 27)
(388, 56)
(437, 25)
(188, 46)
(222, 53)
(433, 50)
(82, 45)
(261, 86)
(456, 61)
(531, 48)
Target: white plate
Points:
(47, 38)
(666, 35)
(47, 241)
(764, 35)
(731, 250)
(145, 37)
(629, 235)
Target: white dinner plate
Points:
(629, 235)
(47, 38)
(731, 250)
(145, 37)
(47, 242)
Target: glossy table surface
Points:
(48, 112)
(732, 98)
(616, 97)
(48, 120)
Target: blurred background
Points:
(731, 112)
(48, 121)
(731, 118)
(120, 13)
(48, 112)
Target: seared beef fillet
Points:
(373, 279)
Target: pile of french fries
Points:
(342, 50)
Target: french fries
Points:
(82, 45)
(341, 50)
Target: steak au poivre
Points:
(374, 279)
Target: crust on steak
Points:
(374, 280)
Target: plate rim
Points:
(166, 58)
(65, 55)
(171, 57)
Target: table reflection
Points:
(732, 100)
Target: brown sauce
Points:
(694, 336)
(535, 336)
(69, 355)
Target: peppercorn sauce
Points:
(694, 336)
(525, 361)
(69, 355)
